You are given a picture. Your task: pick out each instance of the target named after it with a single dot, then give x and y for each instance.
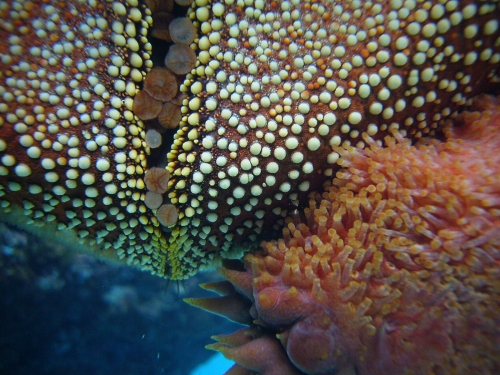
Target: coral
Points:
(394, 269)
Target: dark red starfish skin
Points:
(283, 83)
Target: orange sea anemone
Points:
(394, 269)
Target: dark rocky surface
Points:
(69, 313)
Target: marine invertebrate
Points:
(167, 215)
(153, 138)
(170, 115)
(182, 31)
(394, 269)
(271, 87)
(180, 59)
(277, 84)
(72, 152)
(161, 84)
(156, 180)
(145, 107)
(153, 200)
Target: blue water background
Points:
(68, 313)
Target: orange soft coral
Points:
(395, 268)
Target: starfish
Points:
(278, 84)
(72, 152)
(274, 87)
